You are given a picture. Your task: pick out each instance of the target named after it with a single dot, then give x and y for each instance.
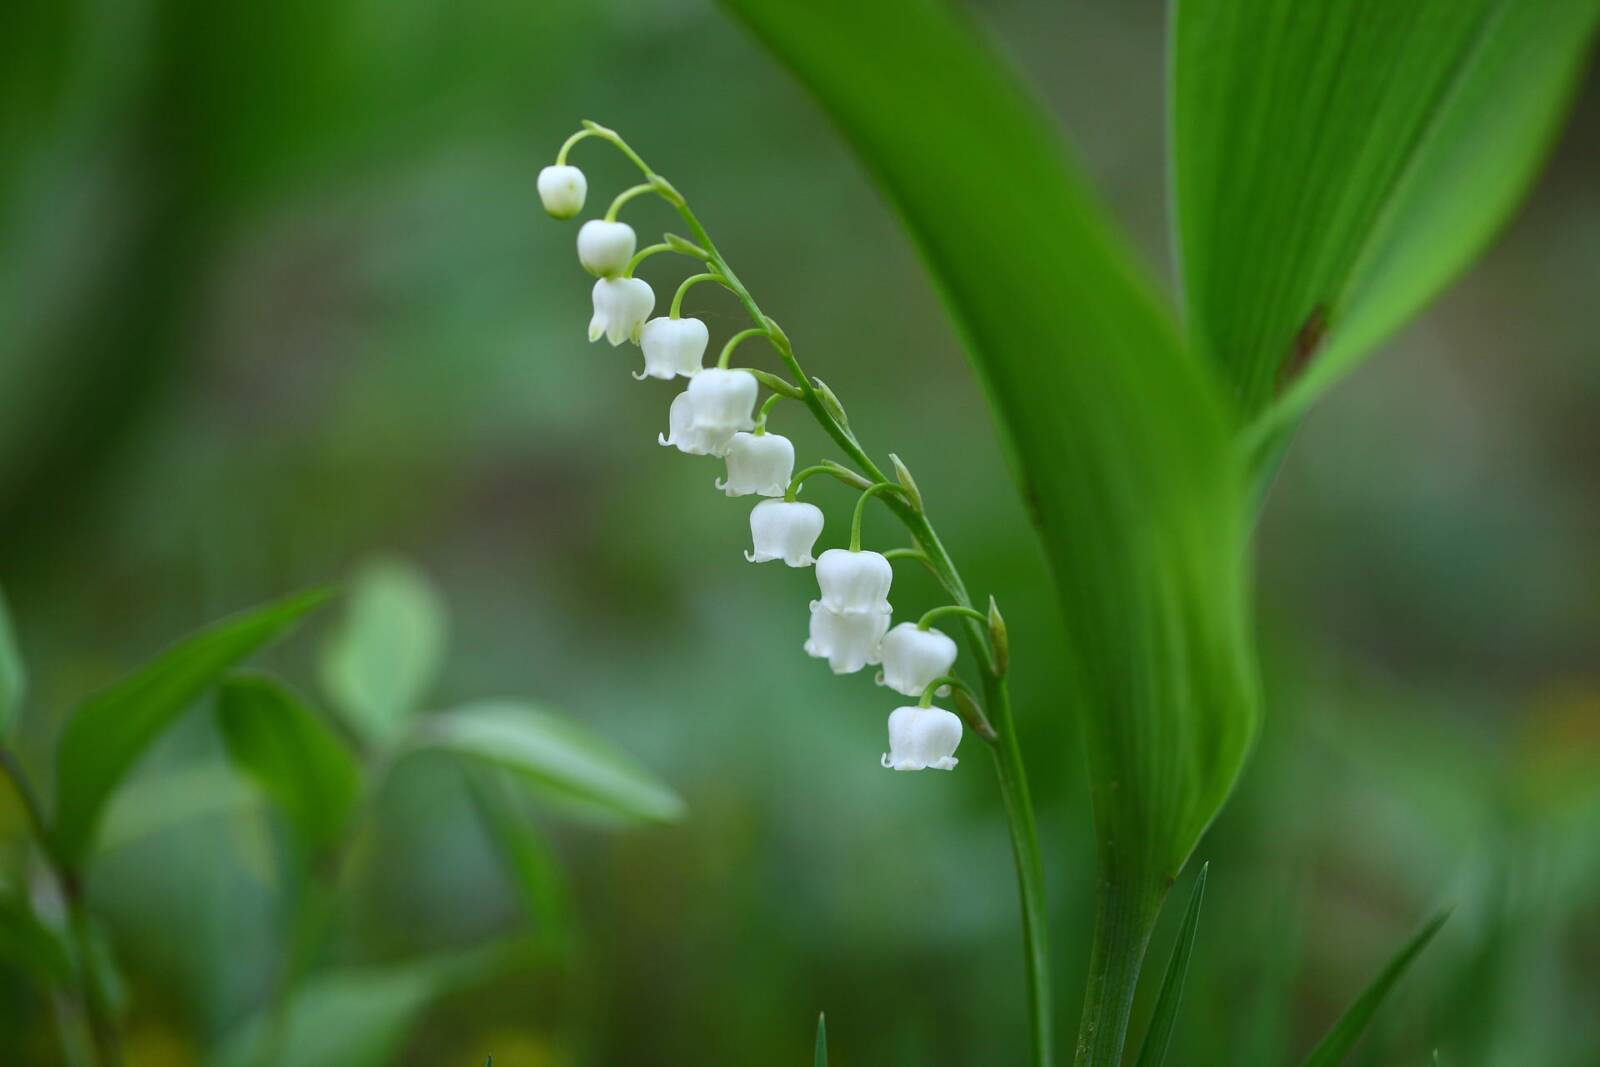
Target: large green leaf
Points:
(1118, 438)
(1332, 1049)
(1337, 162)
(554, 754)
(13, 677)
(27, 943)
(387, 650)
(108, 732)
(290, 753)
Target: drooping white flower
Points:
(922, 739)
(848, 641)
(686, 437)
(620, 307)
(562, 190)
(672, 347)
(758, 463)
(854, 582)
(786, 530)
(723, 399)
(604, 248)
(913, 658)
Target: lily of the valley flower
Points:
(562, 190)
(922, 739)
(620, 307)
(723, 399)
(847, 640)
(786, 530)
(673, 347)
(913, 658)
(854, 582)
(686, 437)
(604, 248)
(758, 463)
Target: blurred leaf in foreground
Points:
(553, 754)
(13, 676)
(29, 944)
(290, 753)
(383, 658)
(109, 732)
(527, 857)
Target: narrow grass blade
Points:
(1348, 1030)
(1165, 1016)
(821, 1057)
(13, 677)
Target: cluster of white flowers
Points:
(714, 415)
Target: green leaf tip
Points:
(1165, 1016)
(1333, 1048)
(820, 1058)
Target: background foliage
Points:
(276, 291)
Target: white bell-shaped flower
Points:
(758, 463)
(913, 658)
(686, 437)
(786, 530)
(604, 248)
(620, 307)
(854, 582)
(723, 399)
(847, 641)
(922, 739)
(672, 347)
(562, 190)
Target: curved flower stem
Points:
(926, 700)
(766, 409)
(950, 609)
(736, 340)
(626, 195)
(861, 508)
(689, 283)
(834, 469)
(642, 255)
(1008, 754)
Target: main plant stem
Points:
(1008, 754)
(1125, 914)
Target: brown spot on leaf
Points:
(1306, 342)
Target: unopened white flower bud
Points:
(913, 658)
(672, 347)
(786, 530)
(604, 248)
(758, 463)
(562, 190)
(854, 582)
(922, 739)
(847, 641)
(683, 435)
(723, 399)
(620, 307)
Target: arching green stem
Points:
(566, 146)
(626, 195)
(950, 609)
(932, 687)
(642, 255)
(738, 339)
(834, 469)
(689, 283)
(761, 415)
(861, 506)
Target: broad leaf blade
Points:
(553, 753)
(384, 656)
(109, 732)
(1159, 1035)
(291, 754)
(13, 676)
(28, 943)
(1332, 1050)
(1336, 163)
(1119, 440)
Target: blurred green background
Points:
(276, 294)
